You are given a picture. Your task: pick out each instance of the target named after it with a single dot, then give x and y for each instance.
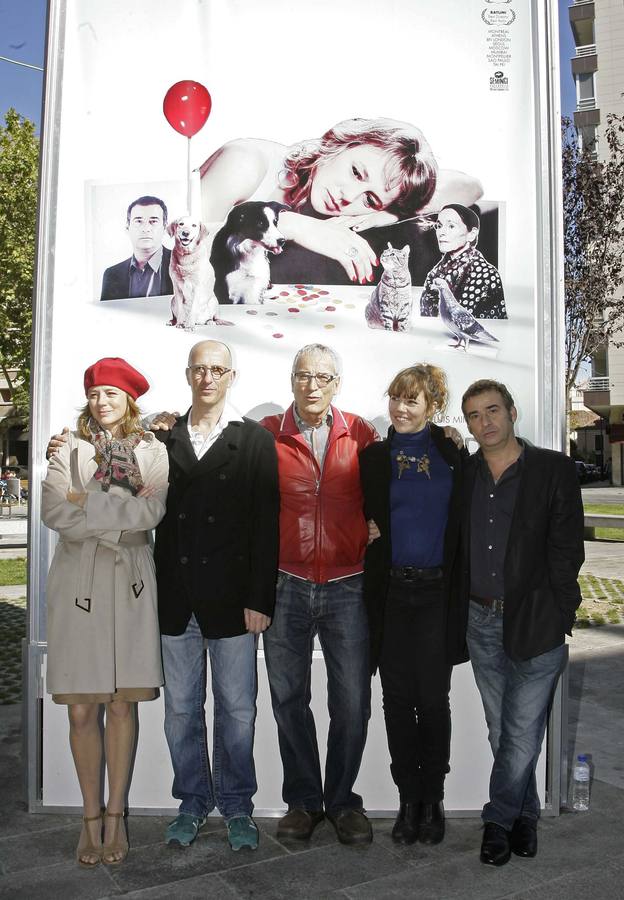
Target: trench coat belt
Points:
(87, 564)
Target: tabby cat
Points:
(390, 305)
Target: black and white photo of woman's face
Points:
(452, 234)
(352, 183)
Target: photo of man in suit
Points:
(146, 272)
(522, 538)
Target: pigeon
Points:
(459, 321)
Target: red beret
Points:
(118, 373)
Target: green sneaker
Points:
(242, 832)
(184, 829)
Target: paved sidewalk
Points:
(581, 855)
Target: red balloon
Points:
(186, 106)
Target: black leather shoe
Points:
(495, 848)
(405, 829)
(431, 818)
(524, 837)
(352, 826)
(299, 823)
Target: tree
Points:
(593, 223)
(19, 161)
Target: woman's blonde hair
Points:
(431, 380)
(411, 165)
(130, 423)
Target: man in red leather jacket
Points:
(323, 536)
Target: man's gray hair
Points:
(318, 350)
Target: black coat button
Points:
(184, 560)
(182, 516)
(222, 476)
(211, 519)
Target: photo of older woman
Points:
(104, 490)
(474, 282)
(411, 485)
(360, 174)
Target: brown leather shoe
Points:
(352, 826)
(299, 823)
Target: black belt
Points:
(411, 573)
(492, 603)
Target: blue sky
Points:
(22, 37)
(566, 51)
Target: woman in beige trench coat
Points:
(105, 489)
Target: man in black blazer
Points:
(216, 565)
(146, 272)
(522, 551)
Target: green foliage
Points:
(13, 571)
(19, 160)
(593, 221)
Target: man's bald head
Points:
(201, 347)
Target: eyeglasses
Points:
(321, 378)
(216, 372)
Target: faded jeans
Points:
(335, 611)
(516, 696)
(232, 782)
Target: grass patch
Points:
(605, 509)
(603, 599)
(13, 571)
(609, 534)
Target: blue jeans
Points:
(516, 696)
(232, 783)
(335, 611)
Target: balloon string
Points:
(188, 176)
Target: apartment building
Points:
(598, 70)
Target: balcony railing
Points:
(586, 50)
(598, 384)
(588, 103)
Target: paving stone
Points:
(319, 873)
(203, 887)
(64, 882)
(598, 883)
(158, 864)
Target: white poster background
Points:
(287, 71)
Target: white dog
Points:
(194, 302)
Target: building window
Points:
(587, 138)
(585, 90)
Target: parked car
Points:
(581, 471)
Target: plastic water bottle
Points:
(580, 784)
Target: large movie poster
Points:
(367, 178)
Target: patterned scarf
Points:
(115, 458)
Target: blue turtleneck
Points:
(418, 504)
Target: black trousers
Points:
(415, 679)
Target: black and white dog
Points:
(240, 251)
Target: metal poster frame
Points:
(549, 401)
